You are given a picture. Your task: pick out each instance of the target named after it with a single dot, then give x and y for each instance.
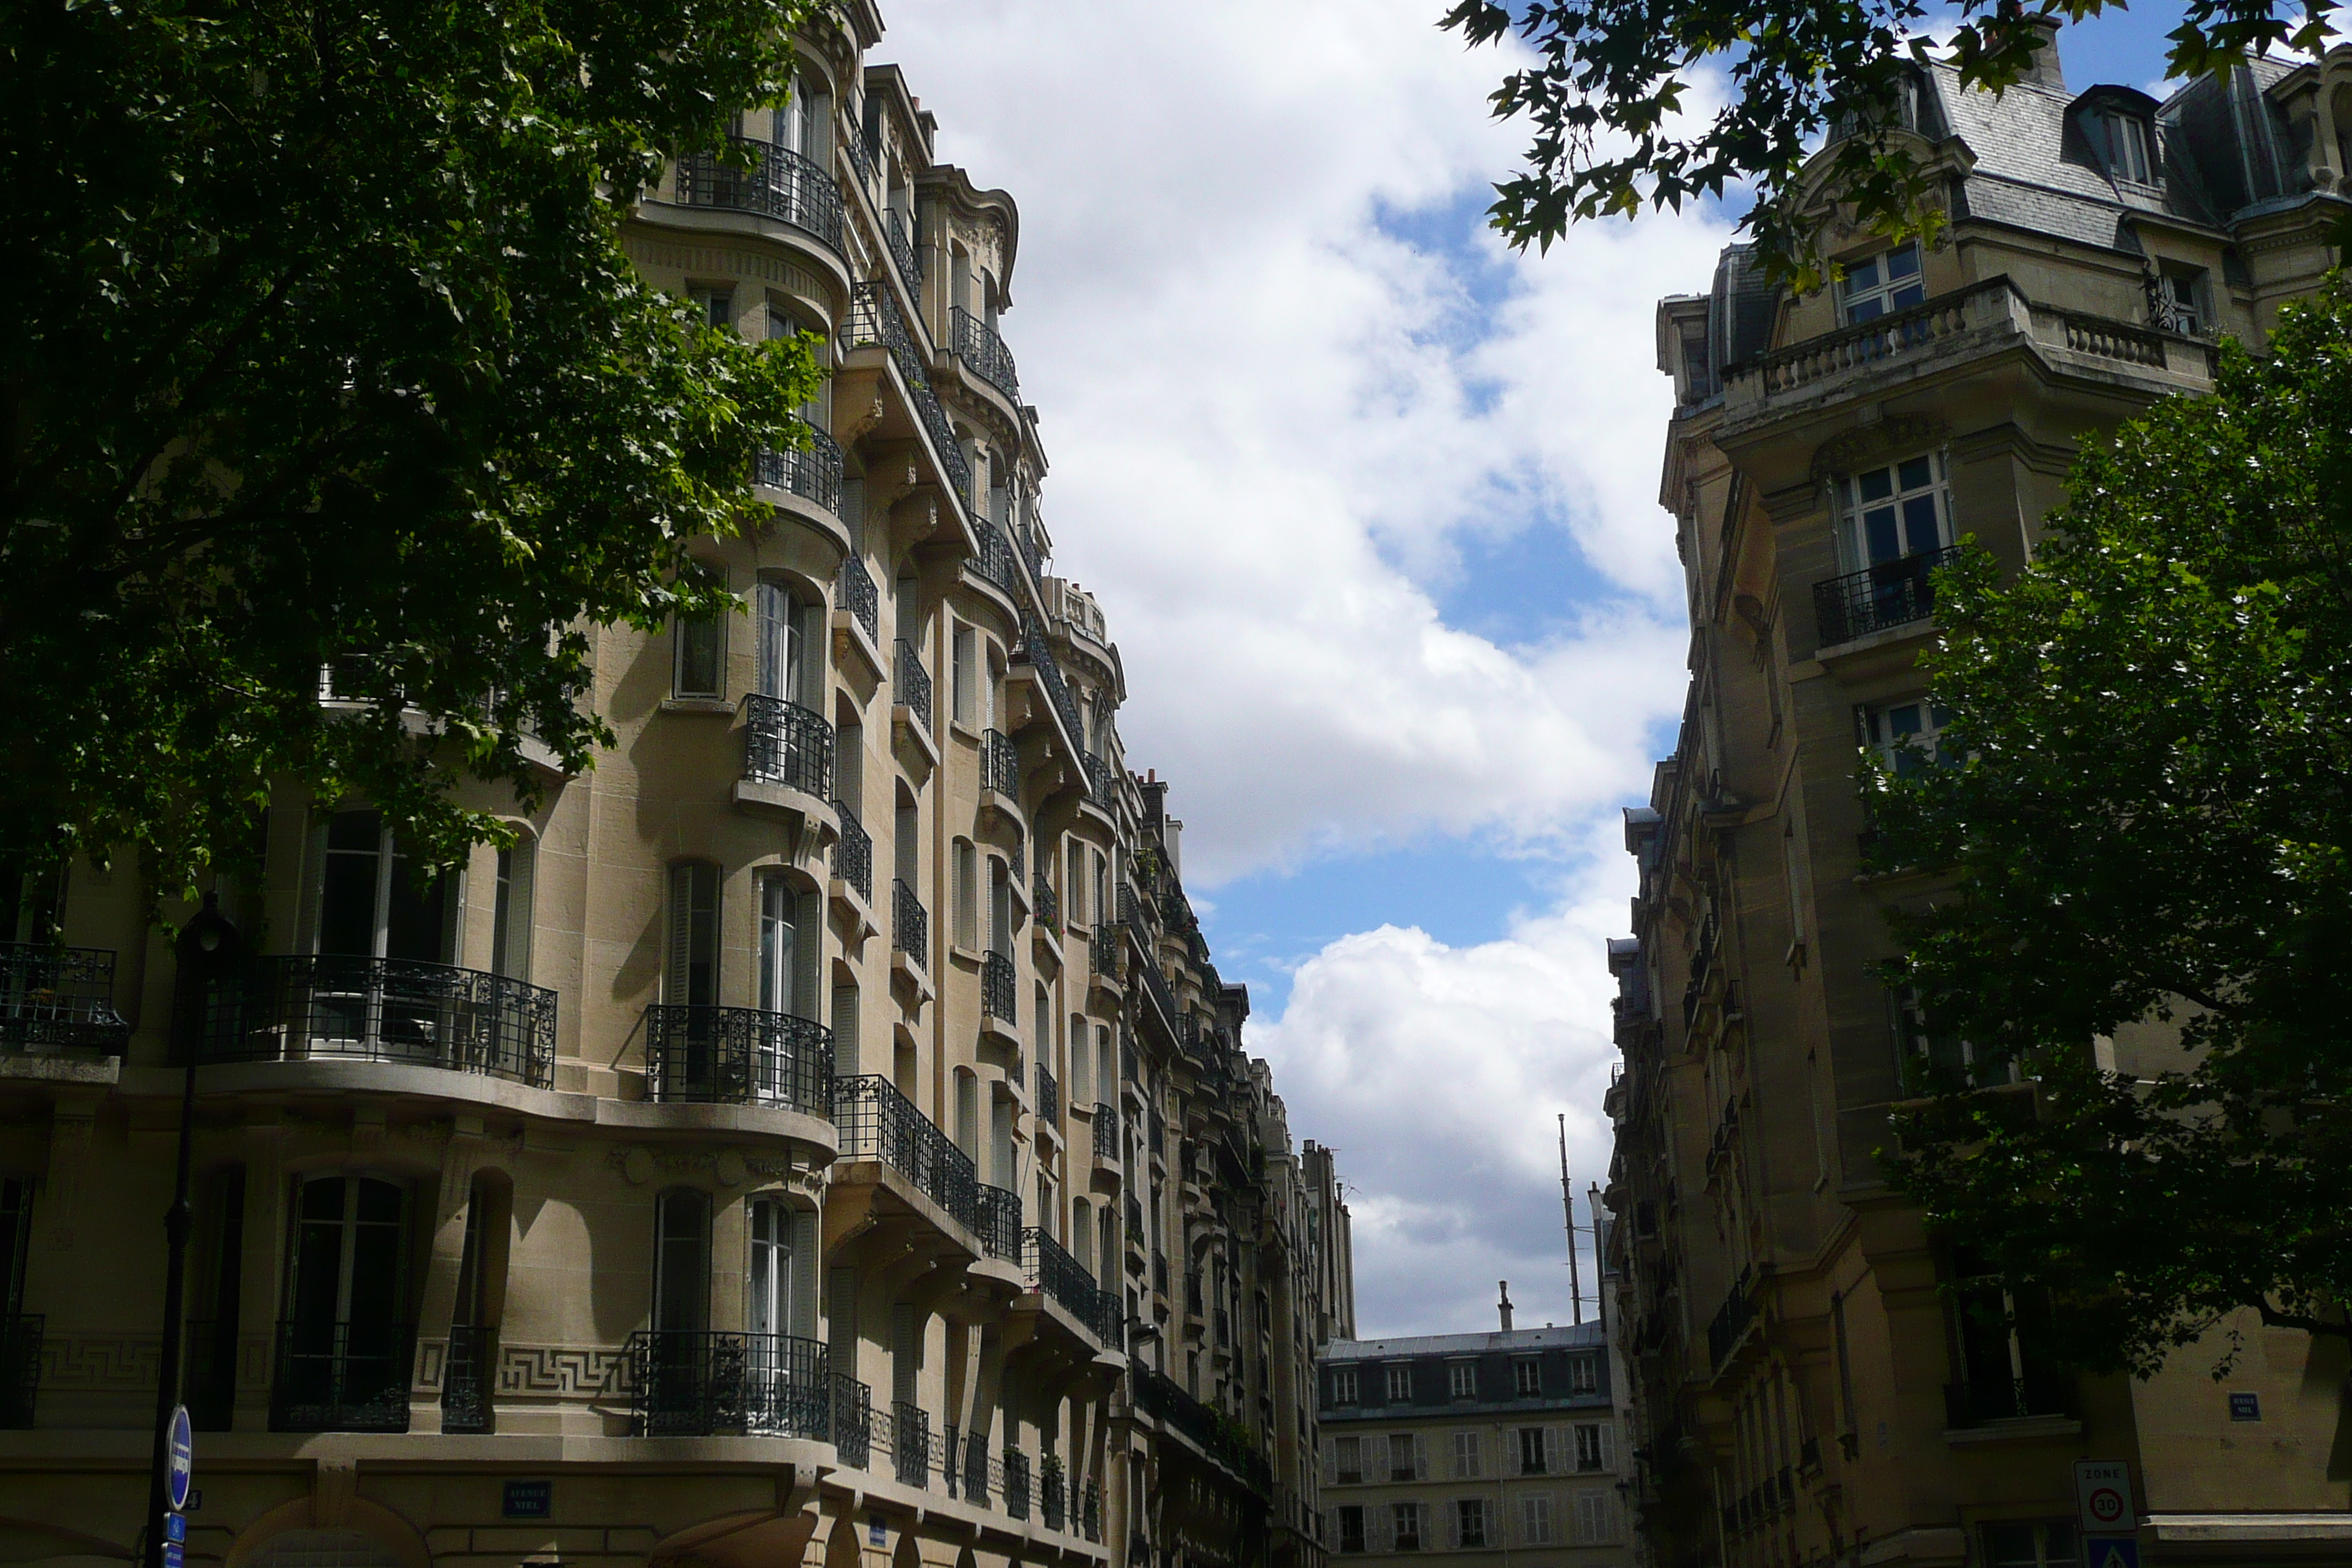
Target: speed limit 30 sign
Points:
(2102, 1493)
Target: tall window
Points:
(789, 930)
(692, 972)
(1886, 282)
(698, 664)
(1348, 1460)
(1343, 1386)
(1596, 1518)
(2127, 147)
(2007, 1371)
(16, 1241)
(1527, 1377)
(1592, 1447)
(370, 905)
(963, 864)
(1904, 509)
(1461, 1379)
(511, 913)
(2180, 300)
(1403, 1456)
(1405, 1517)
(768, 1288)
(963, 676)
(1468, 1461)
(1531, 1451)
(681, 1262)
(1400, 1384)
(1583, 1374)
(1909, 736)
(1076, 885)
(346, 1303)
(1470, 1523)
(789, 645)
(1351, 1528)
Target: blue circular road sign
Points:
(182, 1464)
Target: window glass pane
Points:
(1915, 472)
(1876, 485)
(1919, 529)
(1862, 277)
(1880, 534)
(1865, 310)
(1908, 295)
(1903, 263)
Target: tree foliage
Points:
(2152, 835)
(1618, 93)
(323, 352)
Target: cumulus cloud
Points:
(1290, 386)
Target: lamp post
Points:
(209, 953)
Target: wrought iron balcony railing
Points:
(1090, 1511)
(853, 852)
(878, 1123)
(1105, 1130)
(911, 683)
(1050, 1493)
(706, 1384)
(853, 590)
(469, 1378)
(1106, 948)
(1876, 598)
(997, 561)
(1730, 1324)
(999, 764)
(780, 183)
(738, 1056)
(58, 998)
(1221, 1439)
(968, 1454)
(853, 1421)
(1134, 1220)
(785, 743)
(1040, 655)
(1162, 994)
(1064, 1280)
(1049, 902)
(1016, 1483)
(979, 346)
(910, 1445)
(997, 1222)
(294, 1007)
(873, 319)
(1102, 783)
(1049, 1098)
(20, 1368)
(911, 923)
(997, 987)
(860, 152)
(811, 472)
(340, 1377)
(901, 246)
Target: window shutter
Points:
(804, 1272)
(1454, 1526)
(1554, 1450)
(1607, 1461)
(1421, 1470)
(681, 934)
(808, 954)
(1331, 1467)
(1379, 1526)
(845, 1031)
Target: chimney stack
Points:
(1505, 1286)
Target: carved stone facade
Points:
(1804, 1389)
(797, 1147)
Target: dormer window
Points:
(2126, 139)
(1888, 282)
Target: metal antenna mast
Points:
(1568, 1211)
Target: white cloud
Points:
(1273, 420)
(1286, 379)
(1437, 1072)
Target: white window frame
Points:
(1856, 511)
(1906, 750)
(1400, 1385)
(1871, 288)
(2131, 147)
(1461, 1379)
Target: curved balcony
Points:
(780, 183)
(853, 590)
(738, 1056)
(911, 683)
(1105, 1126)
(785, 743)
(999, 764)
(901, 246)
(340, 1377)
(979, 346)
(997, 1222)
(301, 1008)
(874, 319)
(879, 1123)
(1049, 1098)
(1064, 1280)
(853, 853)
(701, 1383)
(811, 472)
(998, 988)
(911, 923)
(997, 563)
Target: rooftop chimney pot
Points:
(1505, 1305)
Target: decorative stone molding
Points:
(1842, 452)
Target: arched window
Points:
(510, 909)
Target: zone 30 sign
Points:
(2102, 1493)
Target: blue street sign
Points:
(175, 1527)
(175, 1555)
(2110, 1552)
(182, 1464)
(530, 1500)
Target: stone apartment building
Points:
(1504, 1445)
(1808, 1385)
(822, 1138)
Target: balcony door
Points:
(786, 639)
(790, 926)
(679, 1371)
(343, 1347)
(767, 1317)
(379, 926)
(1896, 511)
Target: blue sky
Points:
(1370, 506)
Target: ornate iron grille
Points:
(910, 924)
(738, 1056)
(1049, 1097)
(780, 183)
(999, 1223)
(340, 1377)
(979, 346)
(1890, 593)
(1034, 648)
(54, 998)
(1105, 1130)
(911, 683)
(853, 590)
(1016, 1483)
(873, 319)
(999, 764)
(788, 744)
(902, 252)
(293, 1007)
(878, 1123)
(997, 987)
(470, 1375)
(811, 472)
(853, 1421)
(688, 1382)
(853, 852)
(910, 1445)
